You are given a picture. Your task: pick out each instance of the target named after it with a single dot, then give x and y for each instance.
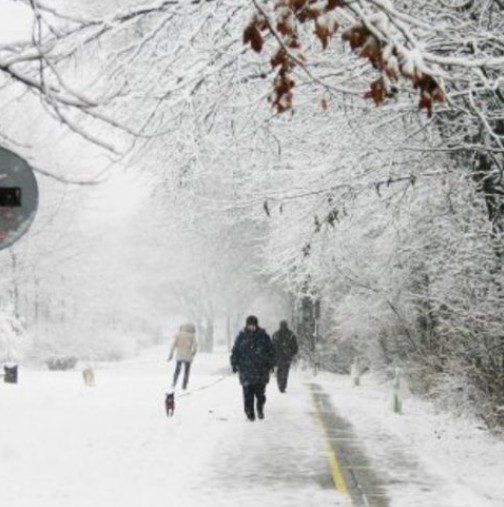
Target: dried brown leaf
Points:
(333, 4)
(323, 34)
(253, 35)
(356, 35)
(425, 102)
(372, 50)
(377, 92)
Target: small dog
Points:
(89, 377)
(170, 404)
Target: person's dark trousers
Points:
(187, 370)
(251, 393)
(282, 375)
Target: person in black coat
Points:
(253, 358)
(286, 347)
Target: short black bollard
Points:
(11, 374)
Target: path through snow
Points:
(65, 445)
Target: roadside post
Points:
(355, 372)
(396, 392)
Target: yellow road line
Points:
(334, 465)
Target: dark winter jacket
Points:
(285, 345)
(253, 357)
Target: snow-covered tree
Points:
(14, 341)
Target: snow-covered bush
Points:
(14, 341)
(61, 363)
(53, 345)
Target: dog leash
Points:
(206, 386)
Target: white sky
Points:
(15, 22)
(123, 193)
(119, 196)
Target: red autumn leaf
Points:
(282, 102)
(438, 95)
(356, 36)
(253, 35)
(322, 32)
(372, 50)
(377, 92)
(427, 83)
(282, 92)
(333, 4)
(262, 24)
(308, 13)
(297, 5)
(425, 102)
(284, 27)
(430, 91)
(293, 42)
(280, 58)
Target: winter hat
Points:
(252, 321)
(283, 324)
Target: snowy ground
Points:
(62, 444)
(426, 459)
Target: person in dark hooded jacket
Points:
(253, 358)
(286, 347)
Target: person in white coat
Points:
(185, 346)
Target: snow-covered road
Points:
(62, 444)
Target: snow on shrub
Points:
(14, 341)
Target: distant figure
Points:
(286, 347)
(253, 358)
(186, 346)
(89, 377)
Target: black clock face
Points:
(18, 197)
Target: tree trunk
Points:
(15, 287)
(209, 335)
(489, 181)
(229, 336)
(307, 329)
